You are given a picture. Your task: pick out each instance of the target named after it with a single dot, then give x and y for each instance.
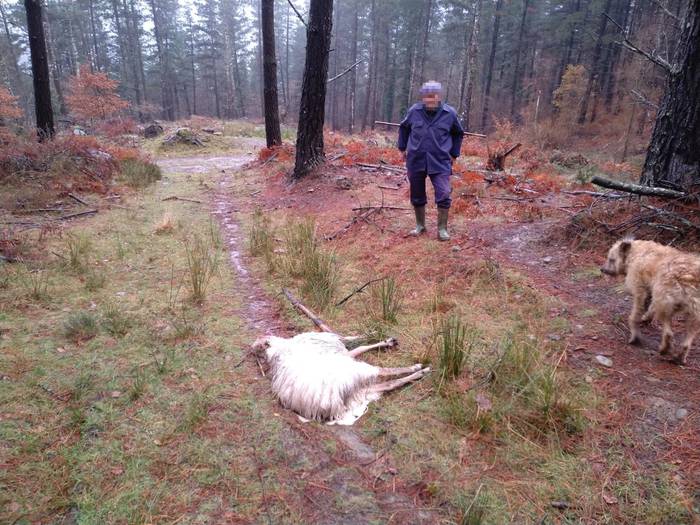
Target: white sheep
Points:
(316, 376)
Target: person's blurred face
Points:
(431, 100)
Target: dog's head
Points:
(616, 262)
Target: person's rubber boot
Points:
(443, 214)
(420, 221)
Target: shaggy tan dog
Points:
(670, 277)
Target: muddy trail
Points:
(348, 482)
(655, 397)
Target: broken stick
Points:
(175, 198)
(638, 189)
(308, 313)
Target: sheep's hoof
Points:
(392, 342)
(426, 370)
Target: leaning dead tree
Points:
(40, 69)
(313, 92)
(273, 134)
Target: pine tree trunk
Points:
(371, 70)
(492, 59)
(273, 134)
(54, 69)
(313, 92)
(515, 90)
(470, 65)
(353, 73)
(40, 70)
(673, 158)
(165, 87)
(596, 65)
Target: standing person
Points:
(430, 138)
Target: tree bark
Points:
(313, 92)
(353, 73)
(673, 157)
(273, 135)
(40, 70)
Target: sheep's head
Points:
(261, 344)
(616, 262)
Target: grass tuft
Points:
(456, 342)
(80, 326)
(202, 263)
(115, 322)
(138, 173)
(79, 248)
(261, 238)
(388, 294)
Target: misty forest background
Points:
(520, 61)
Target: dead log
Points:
(497, 159)
(307, 312)
(638, 189)
(75, 215)
(176, 198)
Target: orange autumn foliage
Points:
(92, 96)
(8, 105)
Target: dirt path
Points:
(657, 398)
(347, 482)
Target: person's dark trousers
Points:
(441, 185)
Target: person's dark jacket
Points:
(429, 143)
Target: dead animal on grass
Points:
(665, 278)
(316, 376)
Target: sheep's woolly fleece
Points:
(313, 375)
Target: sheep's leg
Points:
(396, 383)
(349, 338)
(397, 371)
(389, 343)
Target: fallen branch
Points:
(381, 167)
(638, 189)
(362, 216)
(380, 207)
(175, 198)
(388, 187)
(269, 159)
(308, 313)
(77, 199)
(596, 194)
(37, 210)
(346, 71)
(75, 215)
(675, 216)
(359, 290)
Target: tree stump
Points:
(497, 159)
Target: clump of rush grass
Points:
(94, 280)
(474, 510)
(261, 238)
(195, 413)
(79, 249)
(166, 225)
(530, 390)
(35, 283)
(202, 264)
(456, 340)
(115, 321)
(316, 268)
(80, 326)
(138, 173)
(388, 295)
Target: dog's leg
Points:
(636, 315)
(649, 314)
(693, 331)
(396, 383)
(389, 343)
(398, 371)
(665, 318)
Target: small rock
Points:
(588, 379)
(456, 248)
(681, 413)
(559, 504)
(115, 394)
(547, 259)
(554, 337)
(605, 361)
